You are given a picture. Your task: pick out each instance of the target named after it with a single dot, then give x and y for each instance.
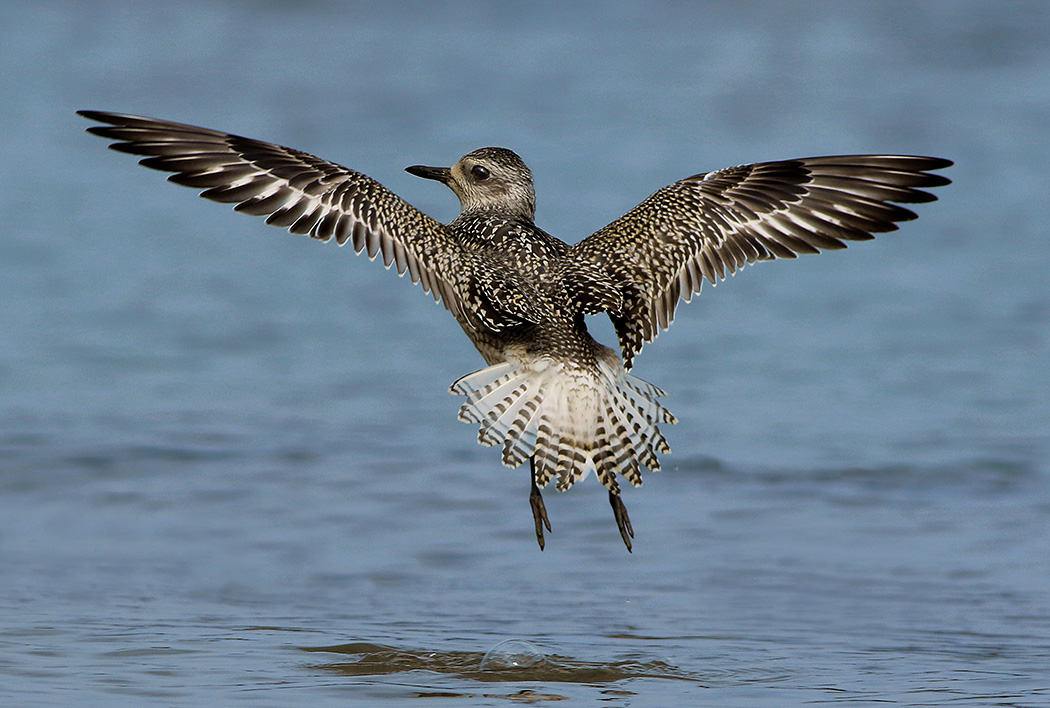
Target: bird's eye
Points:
(479, 173)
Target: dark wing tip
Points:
(928, 164)
(909, 174)
(123, 119)
(936, 181)
(134, 123)
(110, 119)
(924, 166)
(937, 163)
(929, 180)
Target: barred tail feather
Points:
(572, 420)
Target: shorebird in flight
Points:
(550, 395)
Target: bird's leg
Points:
(622, 520)
(539, 511)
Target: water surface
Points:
(229, 468)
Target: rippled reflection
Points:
(369, 659)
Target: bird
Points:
(550, 394)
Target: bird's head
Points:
(490, 180)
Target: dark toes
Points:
(623, 521)
(539, 515)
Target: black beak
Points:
(441, 174)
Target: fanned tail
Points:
(573, 420)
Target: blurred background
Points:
(221, 444)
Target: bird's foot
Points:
(623, 522)
(539, 513)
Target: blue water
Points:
(230, 472)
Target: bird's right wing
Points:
(298, 191)
(702, 227)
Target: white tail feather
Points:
(572, 420)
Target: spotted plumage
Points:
(551, 394)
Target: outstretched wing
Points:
(708, 225)
(293, 189)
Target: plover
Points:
(550, 395)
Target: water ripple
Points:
(378, 660)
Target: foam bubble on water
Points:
(513, 654)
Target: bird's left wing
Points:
(711, 224)
(295, 190)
